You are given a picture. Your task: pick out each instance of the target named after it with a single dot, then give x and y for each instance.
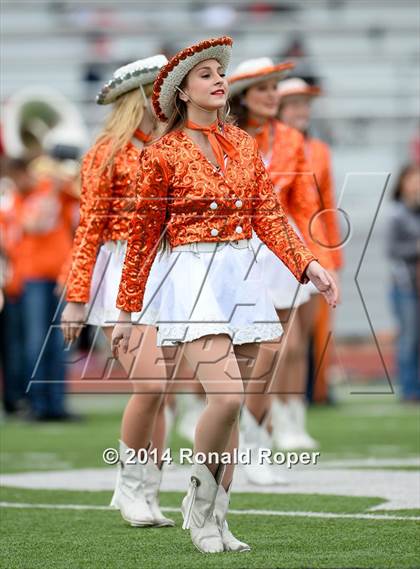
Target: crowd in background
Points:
(38, 215)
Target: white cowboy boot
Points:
(152, 481)
(285, 435)
(230, 542)
(288, 420)
(298, 412)
(198, 508)
(129, 495)
(255, 437)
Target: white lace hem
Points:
(180, 333)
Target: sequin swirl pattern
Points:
(295, 184)
(106, 207)
(183, 198)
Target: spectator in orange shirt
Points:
(11, 315)
(46, 218)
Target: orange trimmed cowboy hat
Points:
(253, 71)
(297, 86)
(171, 76)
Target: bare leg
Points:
(213, 360)
(217, 368)
(291, 374)
(257, 376)
(291, 380)
(307, 313)
(289, 413)
(143, 418)
(230, 468)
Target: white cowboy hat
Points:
(297, 86)
(171, 76)
(130, 77)
(253, 71)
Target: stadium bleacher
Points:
(365, 54)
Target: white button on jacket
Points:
(215, 233)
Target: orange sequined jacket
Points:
(104, 212)
(294, 181)
(319, 160)
(182, 196)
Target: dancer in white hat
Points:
(109, 173)
(254, 102)
(203, 188)
(295, 110)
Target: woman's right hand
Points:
(73, 320)
(121, 333)
(324, 282)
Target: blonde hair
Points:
(125, 117)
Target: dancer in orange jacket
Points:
(202, 189)
(253, 87)
(109, 173)
(315, 316)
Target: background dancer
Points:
(109, 174)
(253, 87)
(295, 109)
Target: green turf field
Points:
(313, 530)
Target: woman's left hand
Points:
(323, 281)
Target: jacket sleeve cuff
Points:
(77, 297)
(129, 305)
(303, 278)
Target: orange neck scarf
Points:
(142, 136)
(262, 134)
(218, 142)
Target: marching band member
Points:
(109, 172)
(202, 189)
(254, 100)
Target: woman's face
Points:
(295, 111)
(262, 99)
(206, 85)
(410, 188)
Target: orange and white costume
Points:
(207, 217)
(106, 207)
(293, 183)
(107, 203)
(318, 156)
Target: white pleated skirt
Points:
(206, 293)
(190, 295)
(285, 291)
(102, 309)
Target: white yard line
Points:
(397, 489)
(22, 505)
